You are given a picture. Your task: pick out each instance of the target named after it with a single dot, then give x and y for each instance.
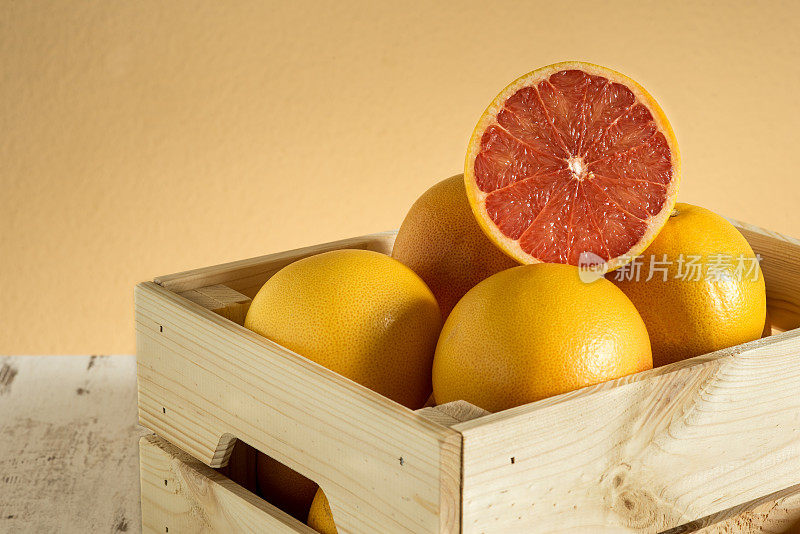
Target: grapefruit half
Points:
(573, 163)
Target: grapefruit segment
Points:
(572, 158)
(515, 206)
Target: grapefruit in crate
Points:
(320, 517)
(569, 159)
(535, 331)
(359, 313)
(441, 242)
(698, 286)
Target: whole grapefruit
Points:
(359, 313)
(706, 291)
(533, 331)
(441, 241)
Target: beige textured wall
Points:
(145, 138)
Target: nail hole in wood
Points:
(164, 409)
(160, 328)
(402, 462)
(165, 481)
(513, 459)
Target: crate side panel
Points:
(247, 276)
(182, 495)
(448, 415)
(204, 381)
(644, 454)
(780, 263)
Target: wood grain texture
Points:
(780, 262)
(247, 276)
(68, 432)
(224, 301)
(242, 466)
(204, 381)
(452, 413)
(221, 300)
(644, 453)
(777, 513)
(197, 499)
(184, 496)
(449, 415)
(781, 517)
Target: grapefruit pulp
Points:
(569, 159)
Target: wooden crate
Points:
(672, 449)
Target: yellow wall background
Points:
(145, 138)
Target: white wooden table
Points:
(69, 458)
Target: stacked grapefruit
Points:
(572, 169)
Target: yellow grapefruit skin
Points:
(559, 188)
(688, 317)
(441, 242)
(320, 517)
(533, 331)
(359, 313)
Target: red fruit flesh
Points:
(573, 164)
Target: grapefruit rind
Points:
(477, 197)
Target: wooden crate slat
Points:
(221, 300)
(782, 272)
(780, 262)
(644, 453)
(195, 498)
(182, 495)
(184, 507)
(453, 413)
(247, 276)
(203, 381)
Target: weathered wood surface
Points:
(777, 514)
(68, 436)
